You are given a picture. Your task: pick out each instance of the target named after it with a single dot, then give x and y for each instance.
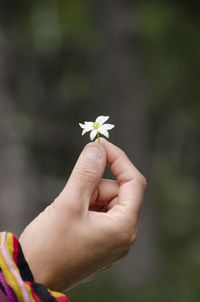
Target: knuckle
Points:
(122, 153)
(86, 173)
(133, 237)
(143, 181)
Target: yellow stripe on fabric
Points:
(8, 275)
(29, 293)
(10, 249)
(56, 294)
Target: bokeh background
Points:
(64, 62)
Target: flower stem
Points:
(98, 137)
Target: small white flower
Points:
(97, 127)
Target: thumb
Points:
(85, 176)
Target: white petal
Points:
(103, 131)
(108, 126)
(88, 128)
(89, 124)
(93, 134)
(82, 125)
(101, 119)
(85, 130)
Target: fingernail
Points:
(92, 152)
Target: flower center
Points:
(96, 126)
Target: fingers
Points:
(85, 176)
(132, 183)
(120, 165)
(112, 203)
(106, 190)
(86, 187)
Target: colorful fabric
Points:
(16, 280)
(3, 297)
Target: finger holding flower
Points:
(82, 240)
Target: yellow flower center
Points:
(96, 126)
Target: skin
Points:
(91, 224)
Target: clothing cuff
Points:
(16, 279)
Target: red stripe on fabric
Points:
(35, 297)
(15, 248)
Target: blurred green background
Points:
(64, 62)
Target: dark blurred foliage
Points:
(64, 62)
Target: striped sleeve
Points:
(16, 280)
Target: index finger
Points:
(132, 182)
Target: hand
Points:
(91, 224)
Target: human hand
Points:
(91, 224)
